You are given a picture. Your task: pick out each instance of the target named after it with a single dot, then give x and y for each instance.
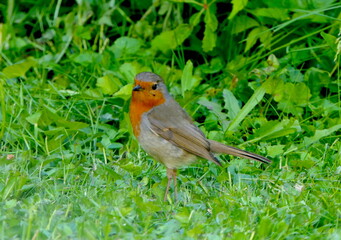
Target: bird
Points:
(167, 132)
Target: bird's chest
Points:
(161, 149)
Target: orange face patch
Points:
(147, 96)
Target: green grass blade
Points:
(253, 101)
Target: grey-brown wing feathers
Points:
(173, 124)
(180, 131)
(183, 139)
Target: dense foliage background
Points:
(261, 75)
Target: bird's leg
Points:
(171, 174)
(168, 184)
(175, 185)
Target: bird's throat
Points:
(138, 108)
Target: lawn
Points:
(261, 75)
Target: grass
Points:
(70, 167)
(107, 201)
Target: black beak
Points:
(137, 88)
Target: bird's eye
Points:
(154, 87)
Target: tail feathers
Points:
(214, 159)
(222, 148)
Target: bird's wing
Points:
(172, 123)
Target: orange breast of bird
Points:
(143, 101)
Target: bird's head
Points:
(149, 89)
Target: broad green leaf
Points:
(231, 104)
(275, 87)
(265, 37)
(293, 97)
(264, 226)
(125, 45)
(49, 117)
(83, 32)
(148, 207)
(216, 109)
(105, 19)
(214, 66)
(253, 101)
(272, 61)
(238, 5)
(211, 21)
(295, 75)
(316, 78)
(143, 29)
(209, 41)
(302, 5)
(130, 69)
(187, 78)
(168, 40)
(132, 168)
(108, 170)
(290, 107)
(124, 92)
(277, 4)
(62, 81)
(252, 38)
(306, 162)
(261, 33)
(170, 75)
(297, 93)
(19, 69)
(320, 134)
(107, 142)
(72, 125)
(115, 145)
(236, 64)
(9, 187)
(327, 107)
(296, 56)
(3, 104)
(331, 40)
(108, 85)
(275, 13)
(196, 232)
(164, 42)
(46, 117)
(164, 8)
(183, 1)
(181, 33)
(3, 28)
(87, 58)
(183, 216)
(320, 4)
(34, 118)
(11, 203)
(242, 23)
(195, 18)
(55, 142)
(276, 129)
(94, 93)
(210, 37)
(276, 150)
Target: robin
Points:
(167, 133)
